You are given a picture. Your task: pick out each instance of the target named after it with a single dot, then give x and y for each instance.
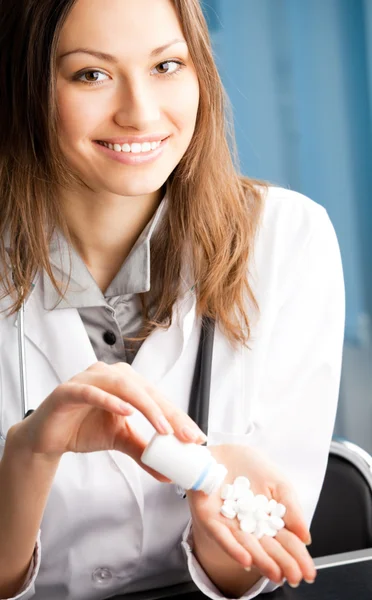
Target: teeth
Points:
(134, 148)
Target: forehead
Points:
(120, 24)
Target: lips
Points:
(134, 157)
(131, 139)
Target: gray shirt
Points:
(117, 313)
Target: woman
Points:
(123, 221)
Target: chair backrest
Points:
(343, 517)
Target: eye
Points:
(91, 73)
(169, 70)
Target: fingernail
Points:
(191, 434)
(309, 580)
(247, 569)
(164, 425)
(309, 540)
(293, 585)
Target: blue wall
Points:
(298, 74)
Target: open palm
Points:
(282, 556)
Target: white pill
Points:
(241, 480)
(276, 522)
(261, 501)
(272, 504)
(228, 511)
(248, 525)
(248, 495)
(261, 515)
(244, 515)
(227, 491)
(231, 502)
(241, 486)
(260, 530)
(270, 531)
(246, 503)
(279, 510)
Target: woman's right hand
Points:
(88, 413)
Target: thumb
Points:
(294, 518)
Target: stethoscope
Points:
(22, 365)
(200, 387)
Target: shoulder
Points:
(289, 220)
(290, 211)
(293, 229)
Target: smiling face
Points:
(148, 90)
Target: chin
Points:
(132, 189)
(138, 184)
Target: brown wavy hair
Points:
(212, 207)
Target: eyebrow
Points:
(113, 59)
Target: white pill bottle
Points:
(190, 466)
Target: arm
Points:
(25, 482)
(292, 415)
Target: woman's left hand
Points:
(221, 539)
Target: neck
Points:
(104, 228)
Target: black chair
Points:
(343, 517)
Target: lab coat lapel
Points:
(163, 348)
(161, 351)
(59, 334)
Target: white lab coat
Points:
(108, 526)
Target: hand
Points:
(222, 540)
(88, 413)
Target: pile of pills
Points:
(256, 514)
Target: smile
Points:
(134, 148)
(133, 154)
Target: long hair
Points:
(212, 208)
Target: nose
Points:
(138, 105)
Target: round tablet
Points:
(279, 510)
(227, 511)
(248, 525)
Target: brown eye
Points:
(169, 68)
(89, 75)
(162, 69)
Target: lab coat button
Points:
(102, 576)
(109, 337)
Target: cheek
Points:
(76, 116)
(182, 106)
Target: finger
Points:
(288, 565)
(226, 540)
(127, 389)
(84, 393)
(294, 518)
(260, 558)
(182, 425)
(296, 548)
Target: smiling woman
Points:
(124, 225)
